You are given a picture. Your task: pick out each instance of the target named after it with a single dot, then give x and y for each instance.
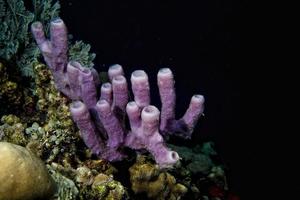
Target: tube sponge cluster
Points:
(101, 118)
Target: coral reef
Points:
(146, 177)
(92, 179)
(42, 102)
(52, 131)
(9, 91)
(12, 130)
(66, 187)
(105, 187)
(57, 131)
(52, 136)
(102, 121)
(14, 94)
(23, 176)
(49, 131)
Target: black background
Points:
(210, 47)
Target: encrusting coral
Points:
(12, 130)
(146, 177)
(48, 129)
(56, 133)
(101, 121)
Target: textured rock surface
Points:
(23, 176)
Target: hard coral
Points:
(23, 176)
(92, 180)
(146, 177)
(101, 120)
(12, 130)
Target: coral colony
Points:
(102, 120)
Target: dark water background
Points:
(209, 47)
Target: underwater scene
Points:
(108, 100)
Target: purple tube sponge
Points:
(73, 80)
(101, 120)
(140, 88)
(81, 116)
(168, 124)
(145, 134)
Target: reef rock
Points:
(23, 176)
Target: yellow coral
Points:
(107, 188)
(146, 177)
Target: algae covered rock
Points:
(23, 176)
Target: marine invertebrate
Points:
(146, 177)
(23, 176)
(101, 120)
